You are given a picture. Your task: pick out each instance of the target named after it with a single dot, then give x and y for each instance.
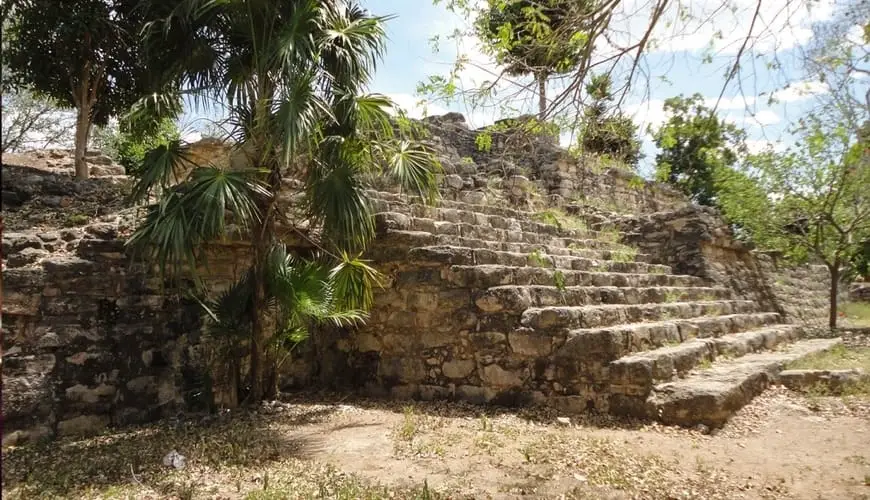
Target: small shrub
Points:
(537, 258)
(74, 220)
(559, 280)
(128, 146)
(483, 141)
(408, 429)
(625, 254)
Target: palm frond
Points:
(336, 198)
(195, 213)
(162, 165)
(167, 235)
(371, 113)
(354, 281)
(413, 168)
(353, 42)
(300, 111)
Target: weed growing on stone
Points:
(671, 297)
(537, 258)
(609, 235)
(74, 220)
(559, 280)
(624, 254)
(561, 219)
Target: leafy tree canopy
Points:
(693, 144)
(607, 131)
(810, 202)
(57, 46)
(85, 54)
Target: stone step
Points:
(516, 299)
(604, 345)
(458, 215)
(711, 396)
(450, 254)
(402, 241)
(383, 198)
(487, 276)
(555, 318)
(394, 221)
(632, 377)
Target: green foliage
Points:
(59, 47)
(84, 54)
(694, 143)
(535, 37)
(73, 220)
(128, 146)
(605, 132)
(537, 258)
(293, 75)
(808, 202)
(559, 280)
(623, 254)
(483, 141)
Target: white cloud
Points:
(191, 136)
(723, 25)
(415, 107)
(800, 91)
(649, 113)
(767, 117)
(736, 102)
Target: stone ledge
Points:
(832, 381)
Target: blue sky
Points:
(411, 59)
(675, 67)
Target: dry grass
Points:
(249, 456)
(374, 450)
(856, 313)
(837, 358)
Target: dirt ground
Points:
(783, 445)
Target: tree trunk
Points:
(835, 285)
(83, 129)
(542, 95)
(258, 330)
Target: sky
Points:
(691, 55)
(678, 59)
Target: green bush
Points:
(608, 132)
(128, 146)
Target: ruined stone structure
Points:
(645, 306)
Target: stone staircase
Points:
(487, 304)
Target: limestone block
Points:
(495, 376)
(530, 343)
(458, 368)
(454, 181)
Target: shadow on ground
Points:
(69, 468)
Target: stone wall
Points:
(859, 292)
(560, 178)
(695, 240)
(88, 340)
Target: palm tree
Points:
(293, 75)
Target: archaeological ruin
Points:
(539, 277)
